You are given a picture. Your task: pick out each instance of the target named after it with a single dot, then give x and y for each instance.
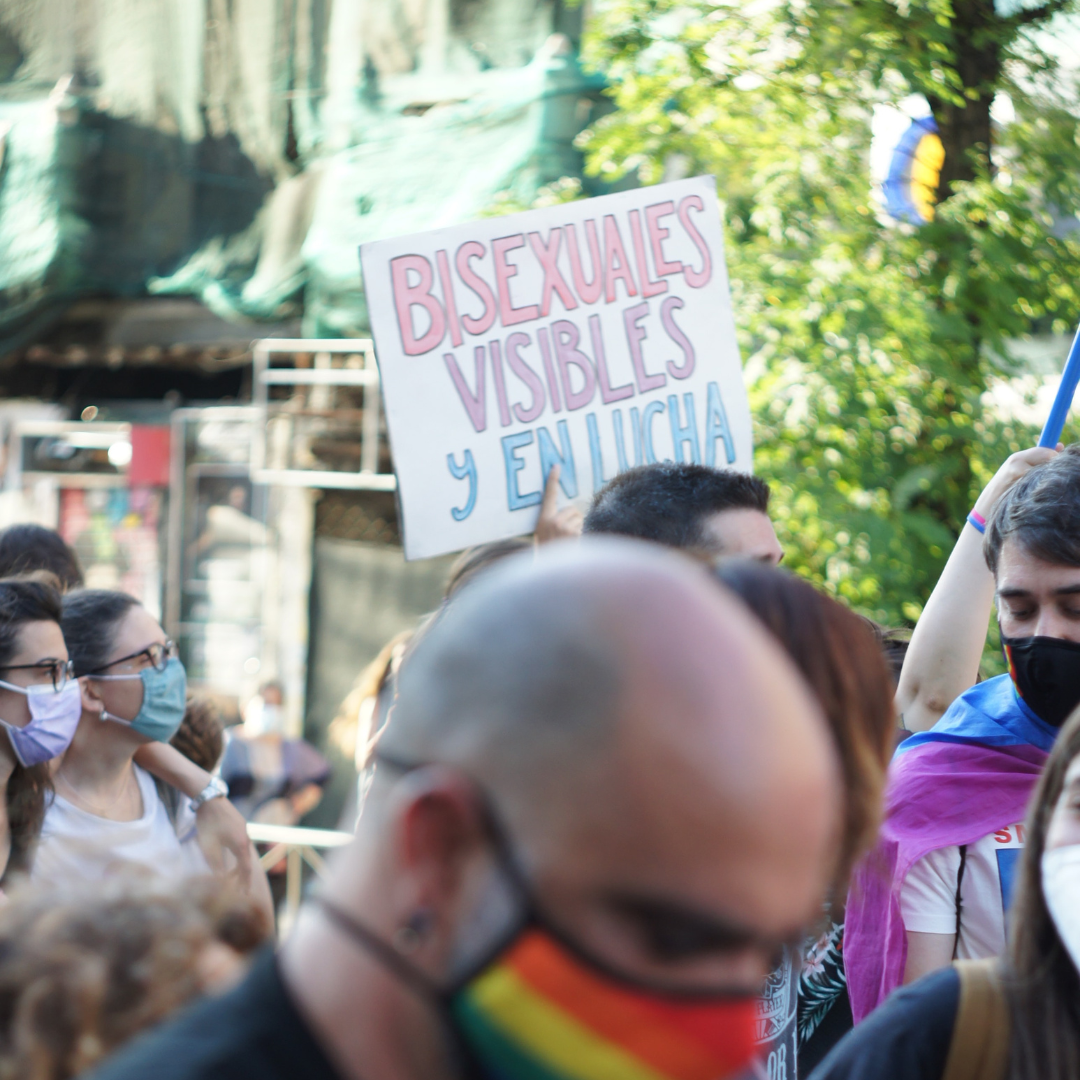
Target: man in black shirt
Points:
(603, 802)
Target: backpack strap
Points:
(979, 1049)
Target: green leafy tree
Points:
(868, 344)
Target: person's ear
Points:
(91, 697)
(439, 841)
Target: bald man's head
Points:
(595, 755)
(634, 726)
(534, 668)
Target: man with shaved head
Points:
(604, 803)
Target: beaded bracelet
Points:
(977, 521)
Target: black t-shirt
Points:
(252, 1033)
(907, 1038)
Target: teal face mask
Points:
(164, 700)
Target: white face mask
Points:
(1061, 888)
(263, 718)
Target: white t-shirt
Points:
(76, 845)
(928, 894)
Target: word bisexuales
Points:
(563, 374)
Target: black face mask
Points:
(1046, 674)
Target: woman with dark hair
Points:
(1013, 1018)
(840, 656)
(106, 812)
(25, 548)
(39, 708)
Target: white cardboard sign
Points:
(595, 335)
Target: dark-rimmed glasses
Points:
(156, 655)
(58, 670)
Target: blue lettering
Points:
(716, 427)
(595, 452)
(620, 439)
(511, 444)
(550, 456)
(647, 418)
(460, 472)
(681, 434)
(635, 427)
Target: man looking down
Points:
(718, 511)
(940, 884)
(605, 802)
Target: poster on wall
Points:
(114, 531)
(595, 335)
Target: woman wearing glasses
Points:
(40, 706)
(108, 813)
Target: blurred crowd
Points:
(634, 804)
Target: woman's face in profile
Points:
(1064, 827)
(39, 645)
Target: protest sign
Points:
(593, 335)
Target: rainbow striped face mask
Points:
(539, 1010)
(539, 1007)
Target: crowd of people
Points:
(634, 804)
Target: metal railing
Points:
(323, 376)
(296, 846)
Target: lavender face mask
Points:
(54, 716)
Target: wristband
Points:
(977, 521)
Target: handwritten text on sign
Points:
(594, 335)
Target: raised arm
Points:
(221, 827)
(943, 658)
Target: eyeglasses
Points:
(58, 670)
(156, 655)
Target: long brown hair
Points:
(25, 598)
(839, 656)
(1042, 983)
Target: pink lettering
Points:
(616, 265)
(635, 335)
(648, 287)
(521, 369)
(657, 235)
(549, 369)
(553, 279)
(447, 283)
(695, 278)
(468, 251)
(407, 296)
(568, 355)
(674, 303)
(475, 404)
(607, 392)
(504, 271)
(589, 291)
(500, 382)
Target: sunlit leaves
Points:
(867, 344)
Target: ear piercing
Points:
(409, 937)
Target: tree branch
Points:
(1034, 15)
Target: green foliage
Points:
(867, 344)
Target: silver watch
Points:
(214, 790)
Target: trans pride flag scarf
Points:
(970, 775)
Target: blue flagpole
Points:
(1059, 412)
